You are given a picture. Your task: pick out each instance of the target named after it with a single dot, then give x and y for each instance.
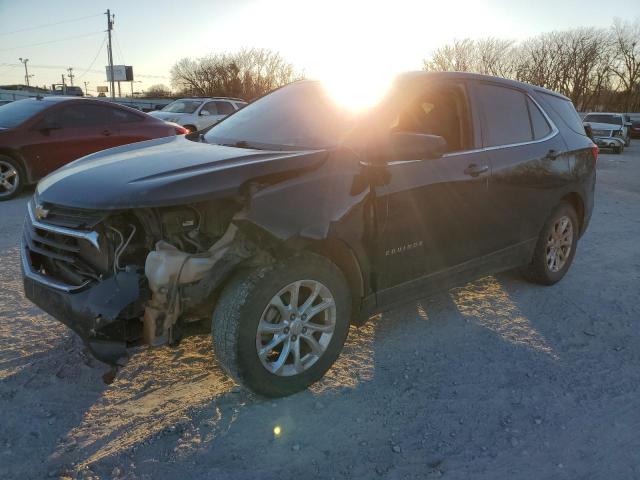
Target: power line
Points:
(50, 41)
(49, 24)
(104, 39)
(115, 37)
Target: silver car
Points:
(199, 113)
(610, 130)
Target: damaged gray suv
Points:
(294, 218)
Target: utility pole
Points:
(109, 52)
(64, 86)
(26, 72)
(86, 89)
(70, 75)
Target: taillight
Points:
(183, 131)
(595, 151)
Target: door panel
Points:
(431, 216)
(83, 129)
(528, 160)
(525, 185)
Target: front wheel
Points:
(278, 329)
(555, 248)
(11, 178)
(618, 150)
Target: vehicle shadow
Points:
(173, 405)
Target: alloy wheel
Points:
(296, 328)
(9, 179)
(559, 243)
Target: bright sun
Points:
(357, 91)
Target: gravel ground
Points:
(498, 379)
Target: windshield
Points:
(14, 113)
(600, 118)
(300, 115)
(182, 106)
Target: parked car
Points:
(634, 129)
(199, 113)
(38, 135)
(294, 218)
(67, 90)
(610, 130)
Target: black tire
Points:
(618, 150)
(19, 177)
(539, 271)
(241, 306)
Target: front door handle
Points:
(106, 132)
(475, 170)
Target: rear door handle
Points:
(475, 170)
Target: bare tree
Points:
(626, 37)
(248, 73)
(158, 90)
(596, 68)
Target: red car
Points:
(39, 135)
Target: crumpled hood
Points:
(164, 171)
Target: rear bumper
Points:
(98, 313)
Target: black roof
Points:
(479, 77)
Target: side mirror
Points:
(588, 130)
(402, 146)
(204, 113)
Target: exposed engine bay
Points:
(176, 255)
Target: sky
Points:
(327, 39)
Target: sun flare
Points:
(356, 93)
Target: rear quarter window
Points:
(563, 109)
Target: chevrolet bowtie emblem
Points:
(41, 212)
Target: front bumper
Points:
(98, 313)
(609, 142)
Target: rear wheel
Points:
(555, 248)
(278, 329)
(11, 178)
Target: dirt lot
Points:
(496, 379)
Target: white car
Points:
(198, 113)
(610, 130)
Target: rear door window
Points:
(210, 107)
(224, 108)
(123, 116)
(506, 115)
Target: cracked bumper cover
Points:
(93, 312)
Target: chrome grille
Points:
(72, 217)
(56, 252)
(602, 133)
